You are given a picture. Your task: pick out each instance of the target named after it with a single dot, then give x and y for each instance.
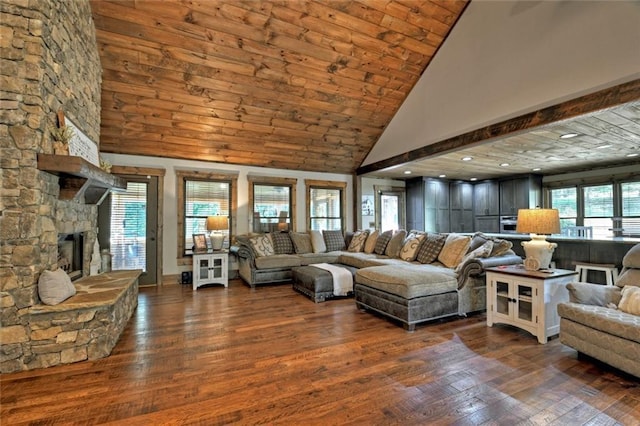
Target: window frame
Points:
(291, 183)
(331, 185)
(182, 176)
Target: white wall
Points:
(170, 207)
(505, 58)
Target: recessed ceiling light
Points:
(504, 164)
(536, 169)
(473, 179)
(442, 176)
(467, 158)
(603, 146)
(633, 155)
(407, 172)
(568, 135)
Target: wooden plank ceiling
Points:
(303, 85)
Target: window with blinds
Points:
(129, 227)
(203, 198)
(271, 206)
(325, 209)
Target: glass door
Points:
(391, 214)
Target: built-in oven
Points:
(508, 224)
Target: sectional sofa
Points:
(409, 276)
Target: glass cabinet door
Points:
(216, 268)
(524, 298)
(203, 268)
(502, 298)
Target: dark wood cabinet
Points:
(460, 207)
(415, 204)
(486, 200)
(436, 205)
(520, 193)
(487, 224)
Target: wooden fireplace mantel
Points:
(78, 178)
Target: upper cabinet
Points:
(436, 205)
(415, 203)
(520, 193)
(486, 198)
(461, 207)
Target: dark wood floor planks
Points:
(271, 356)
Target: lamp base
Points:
(539, 252)
(217, 241)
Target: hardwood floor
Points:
(271, 356)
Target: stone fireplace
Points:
(71, 254)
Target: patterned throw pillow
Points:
(317, 242)
(411, 245)
(395, 244)
(282, 243)
(301, 242)
(357, 241)
(480, 252)
(430, 248)
(500, 247)
(334, 240)
(370, 244)
(382, 241)
(262, 245)
(455, 247)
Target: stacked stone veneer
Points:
(48, 61)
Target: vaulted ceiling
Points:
(305, 85)
(311, 85)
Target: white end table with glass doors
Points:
(210, 267)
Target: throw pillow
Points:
(382, 241)
(483, 251)
(395, 244)
(357, 241)
(301, 242)
(409, 250)
(632, 258)
(629, 277)
(430, 248)
(370, 244)
(592, 294)
(500, 247)
(282, 243)
(454, 249)
(630, 302)
(262, 245)
(317, 242)
(334, 240)
(55, 287)
(478, 239)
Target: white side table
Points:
(527, 299)
(210, 267)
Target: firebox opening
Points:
(70, 254)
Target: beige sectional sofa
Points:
(604, 321)
(410, 276)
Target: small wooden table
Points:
(527, 299)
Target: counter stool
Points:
(610, 270)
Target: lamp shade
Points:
(538, 221)
(282, 227)
(217, 223)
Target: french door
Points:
(390, 214)
(128, 223)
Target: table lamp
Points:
(215, 224)
(283, 227)
(538, 223)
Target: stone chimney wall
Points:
(48, 61)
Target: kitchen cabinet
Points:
(436, 205)
(486, 200)
(520, 193)
(460, 207)
(415, 204)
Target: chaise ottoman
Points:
(316, 283)
(410, 294)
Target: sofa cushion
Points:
(430, 248)
(301, 242)
(370, 244)
(410, 281)
(632, 258)
(282, 243)
(357, 241)
(361, 260)
(480, 252)
(630, 302)
(629, 277)
(334, 240)
(55, 287)
(411, 245)
(395, 243)
(593, 294)
(262, 245)
(500, 247)
(277, 261)
(311, 258)
(612, 321)
(382, 241)
(317, 242)
(454, 249)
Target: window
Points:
(201, 195)
(326, 205)
(566, 201)
(629, 224)
(598, 208)
(273, 201)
